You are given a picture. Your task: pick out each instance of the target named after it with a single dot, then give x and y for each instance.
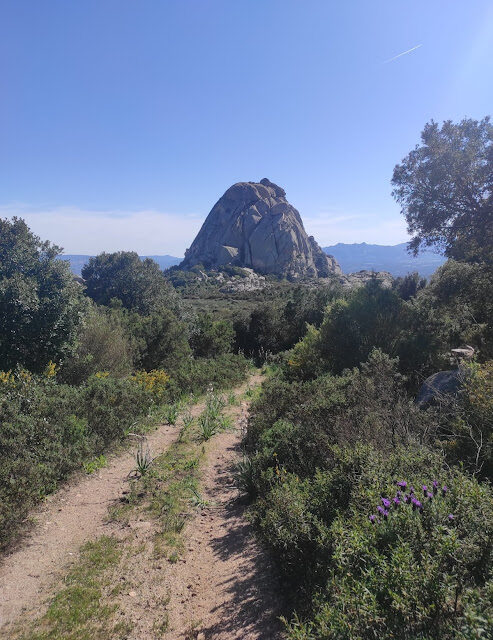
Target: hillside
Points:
(376, 257)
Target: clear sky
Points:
(123, 121)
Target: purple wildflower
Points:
(385, 514)
(399, 494)
(380, 510)
(372, 518)
(396, 501)
(416, 504)
(411, 490)
(435, 486)
(402, 484)
(444, 490)
(407, 498)
(386, 503)
(425, 489)
(451, 517)
(429, 495)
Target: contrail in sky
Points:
(404, 53)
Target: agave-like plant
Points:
(187, 422)
(143, 458)
(171, 414)
(208, 426)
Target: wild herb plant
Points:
(187, 422)
(208, 426)
(143, 458)
(171, 414)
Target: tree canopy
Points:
(138, 284)
(40, 303)
(445, 189)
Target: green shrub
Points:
(103, 344)
(411, 574)
(47, 430)
(113, 406)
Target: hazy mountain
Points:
(377, 257)
(78, 261)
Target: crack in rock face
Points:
(254, 226)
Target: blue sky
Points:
(123, 121)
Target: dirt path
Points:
(222, 587)
(226, 588)
(73, 515)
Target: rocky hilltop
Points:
(254, 226)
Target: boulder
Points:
(254, 226)
(440, 387)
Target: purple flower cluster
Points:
(410, 497)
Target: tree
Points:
(445, 189)
(210, 338)
(139, 284)
(161, 340)
(41, 305)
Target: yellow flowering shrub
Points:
(50, 370)
(7, 377)
(154, 382)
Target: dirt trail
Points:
(73, 515)
(226, 589)
(222, 587)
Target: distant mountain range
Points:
(352, 257)
(376, 257)
(78, 261)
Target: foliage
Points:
(461, 295)
(467, 435)
(103, 344)
(139, 285)
(170, 413)
(40, 303)
(370, 317)
(419, 574)
(210, 338)
(445, 188)
(155, 382)
(322, 454)
(47, 430)
(160, 340)
(277, 325)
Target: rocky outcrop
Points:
(254, 226)
(441, 387)
(360, 278)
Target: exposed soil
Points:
(226, 588)
(222, 586)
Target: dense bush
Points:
(47, 430)
(370, 317)
(323, 453)
(466, 431)
(369, 404)
(278, 324)
(160, 340)
(103, 344)
(210, 338)
(415, 572)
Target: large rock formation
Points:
(254, 226)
